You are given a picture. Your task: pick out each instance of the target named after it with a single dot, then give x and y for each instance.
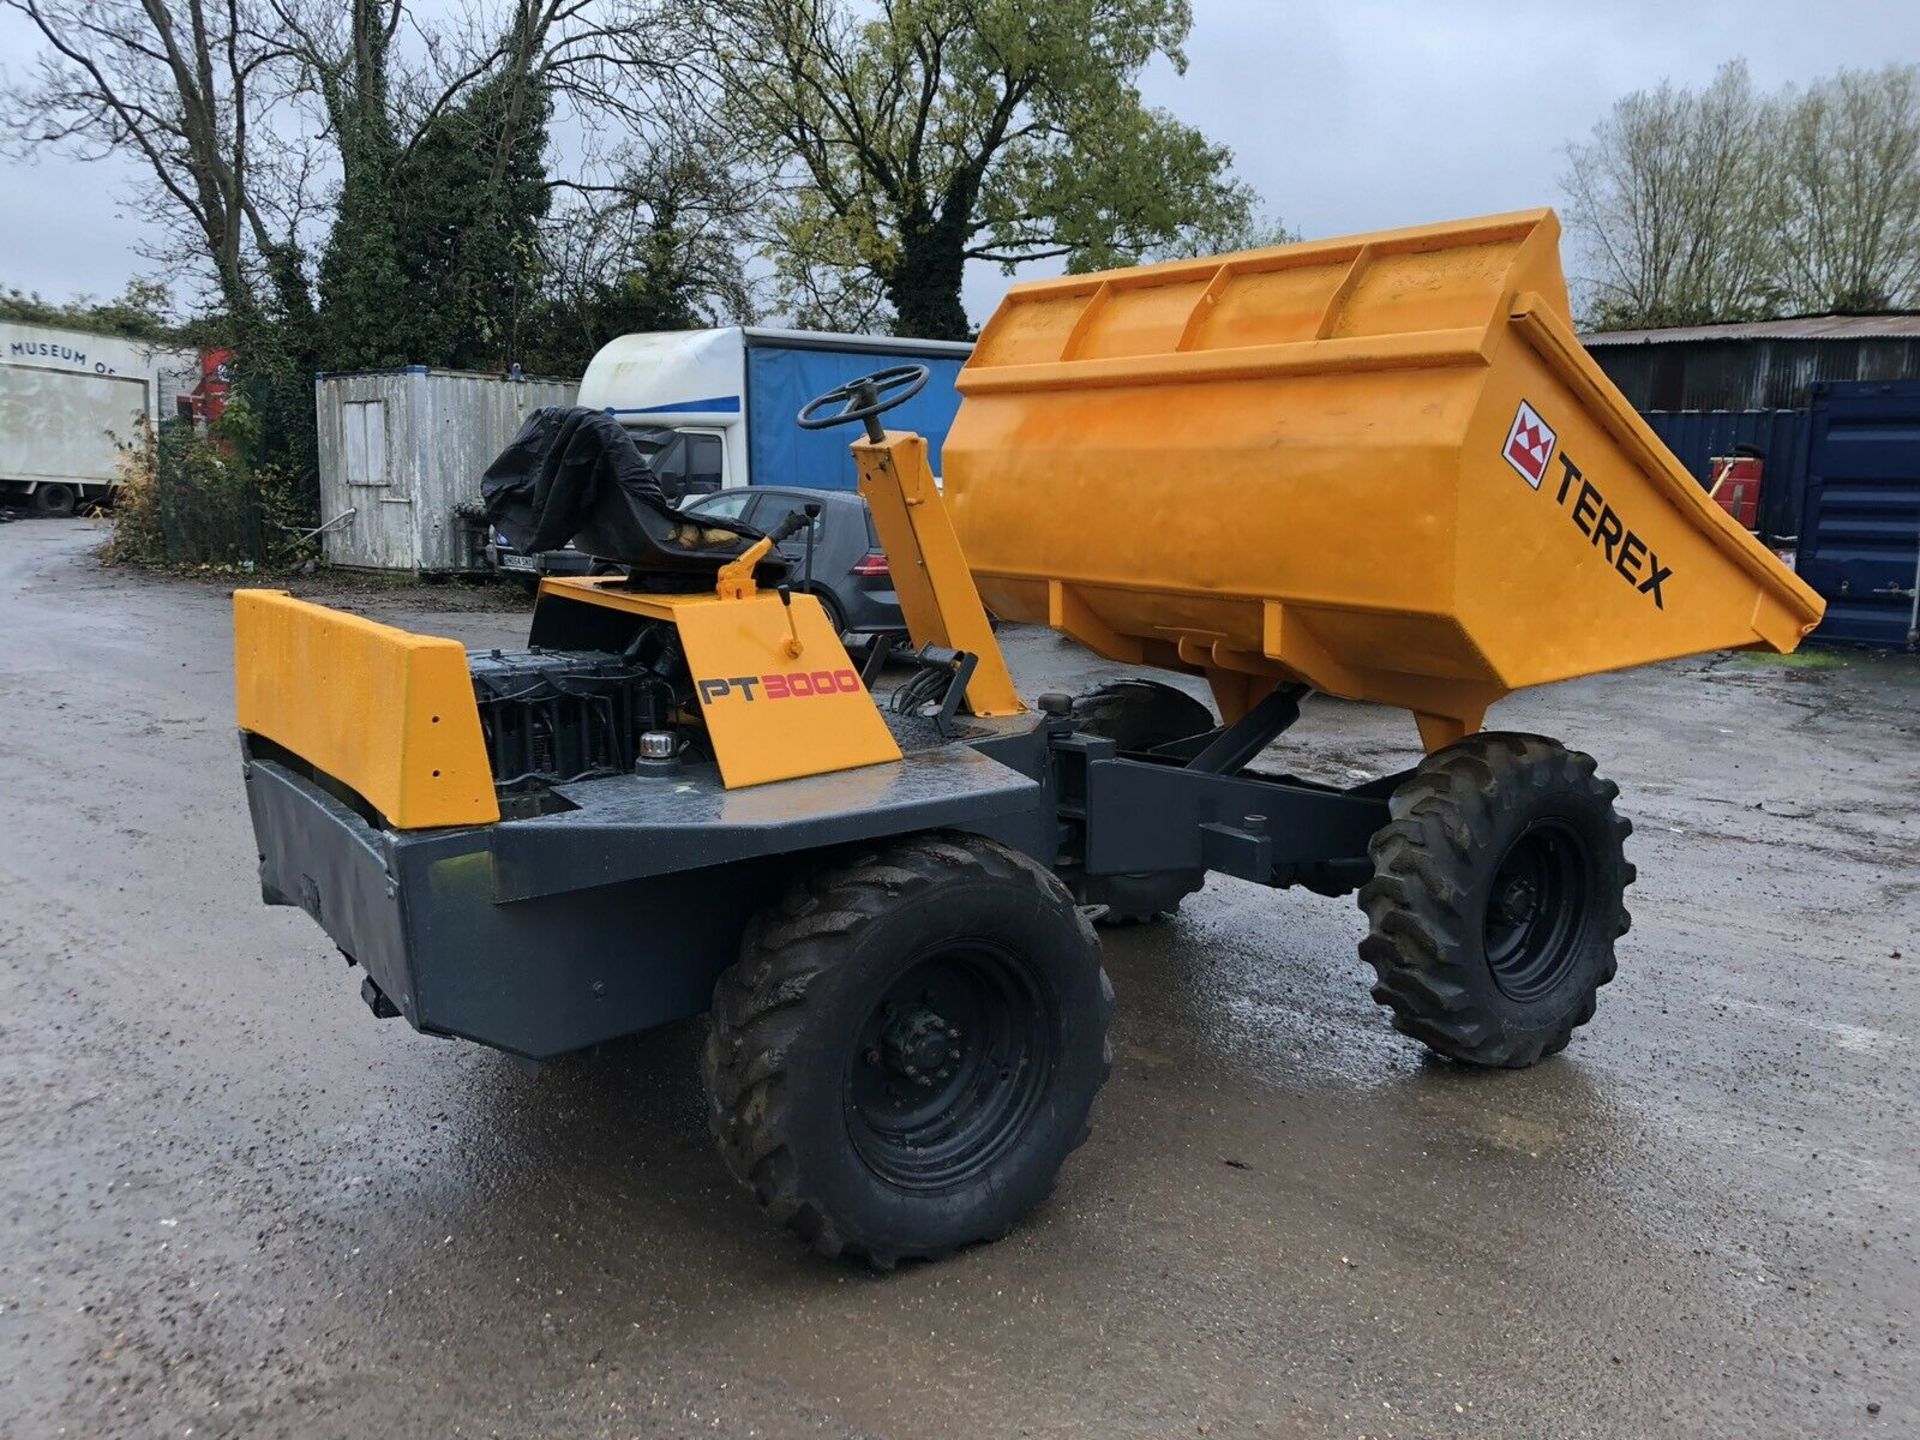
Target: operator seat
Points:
(574, 475)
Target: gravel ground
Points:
(237, 1205)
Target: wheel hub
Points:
(1536, 910)
(1518, 900)
(949, 1066)
(919, 1045)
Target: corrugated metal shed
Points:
(401, 449)
(1802, 327)
(1843, 484)
(1764, 365)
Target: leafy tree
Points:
(908, 139)
(434, 254)
(467, 217)
(1851, 151)
(365, 317)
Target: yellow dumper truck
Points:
(1401, 480)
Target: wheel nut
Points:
(873, 1055)
(954, 1054)
(910, 1072)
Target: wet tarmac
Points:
(237, 1205)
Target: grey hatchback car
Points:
(850, 574)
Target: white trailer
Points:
(401, 455)
(68, 400)
(733, 392)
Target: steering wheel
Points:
(865, 399)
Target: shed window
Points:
(365, 422)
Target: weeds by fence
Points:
(189, 496)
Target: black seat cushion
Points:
(573, 475)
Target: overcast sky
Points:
(1344, 116)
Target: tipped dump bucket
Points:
(1381, 465)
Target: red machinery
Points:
(1736, 484)
(208, 397)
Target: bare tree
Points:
(188, 87)
(1852, 175)
(656, 248)
(676, 216)
(1677, 201)
(602, 58)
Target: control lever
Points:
(812, 509)
(792, 643)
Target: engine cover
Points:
(551, 716)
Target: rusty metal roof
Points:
(1905, 326)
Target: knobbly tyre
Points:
(682, 798)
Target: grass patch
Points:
(1808, 658)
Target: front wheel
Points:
(1497, 895)
(909, 1048)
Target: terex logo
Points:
(1529, 445)
(794, 685)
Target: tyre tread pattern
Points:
(1421, 937)
(758, 1003)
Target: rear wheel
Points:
(909, 1048)
(1497, 895)
(1140, 715)
(54, 499)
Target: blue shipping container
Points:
(1697, 437)
(1860, 541)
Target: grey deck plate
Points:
(635, 825)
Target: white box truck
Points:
(713, 409)
(733, 392)
(68, 400)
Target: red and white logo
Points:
(1529, 445)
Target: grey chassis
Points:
(633, 891)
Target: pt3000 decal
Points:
(793, 685)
